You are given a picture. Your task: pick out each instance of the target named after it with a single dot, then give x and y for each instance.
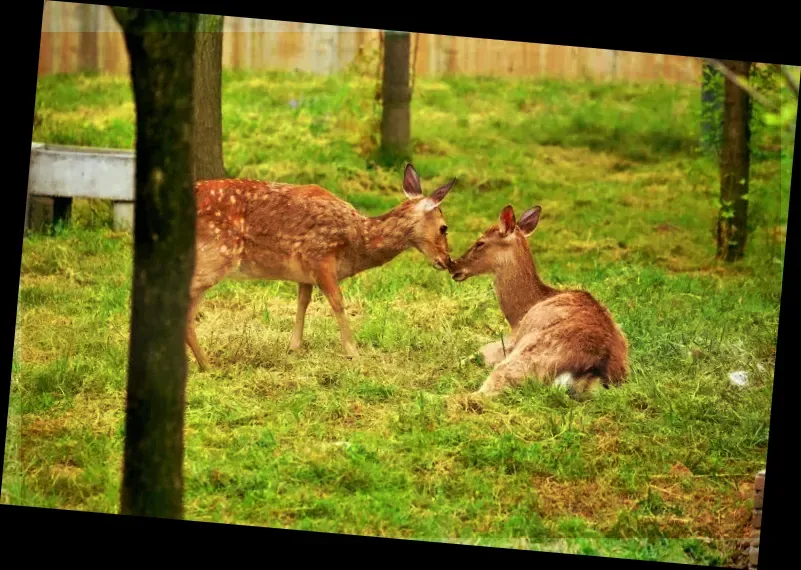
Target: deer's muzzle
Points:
(459, 275)
(443, 263)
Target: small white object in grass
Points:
(739, 378)
(760, 367)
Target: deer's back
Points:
(273, 230)
(573, 331)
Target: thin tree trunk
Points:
(396, 95)
(164, 255)
(209, 162)
(734, 167)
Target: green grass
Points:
(661, 468)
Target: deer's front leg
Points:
(327, 281)
(492, 353)
(509, 373)
(304, 298)
(495, 352)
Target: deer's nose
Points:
(443, 262)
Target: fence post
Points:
(753, 550)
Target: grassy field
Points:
(660, 469)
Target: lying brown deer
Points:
(305, 234)
(564, 337)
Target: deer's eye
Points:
(443, 230)
(479, 245)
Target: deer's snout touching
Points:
(457, 270)
(443, 262)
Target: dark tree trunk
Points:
(734, 167)
(164, 255)
(396, 95)
(208, 98)
(711, 103)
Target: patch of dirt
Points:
(632, 201)
(592, 500)
(701, 511)
(666, 227)
(421, 147)
(680, 470)
(42, 427)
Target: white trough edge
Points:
(81, 172)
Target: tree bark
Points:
(734, 167)
(396, 95)
(209, 162)
(164, 255)
(711, 100)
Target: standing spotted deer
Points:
(305, 234)
(564, 337)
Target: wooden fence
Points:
(79, 37)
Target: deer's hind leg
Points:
(304, 298)
(211, 266)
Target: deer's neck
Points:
(519, 287)
(384, 238)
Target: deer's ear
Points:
(506, 221)
(529, 220)
(437, 197)
(411, 183)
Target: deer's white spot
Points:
(233, 200)
(564, 380)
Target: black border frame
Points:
(726, 34)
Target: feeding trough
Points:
(59, 173)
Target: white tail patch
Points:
(564, 380)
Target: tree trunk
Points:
(209, 162)
(396, 95)
(734, 167)
(711, 118)
(164, 255)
